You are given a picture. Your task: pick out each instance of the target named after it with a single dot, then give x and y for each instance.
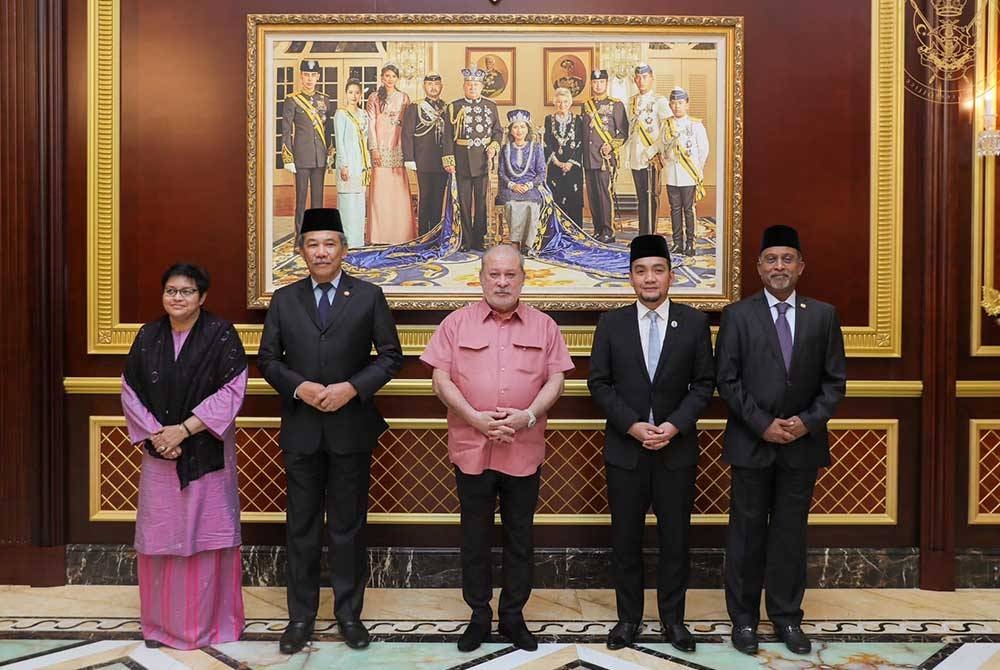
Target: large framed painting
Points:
(395, 120)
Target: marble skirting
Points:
(555, 568)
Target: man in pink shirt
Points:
(498, 367)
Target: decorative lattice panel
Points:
(412, 479)
(984, 471)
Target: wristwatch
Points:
(532, 419)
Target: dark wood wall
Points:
(183, 84)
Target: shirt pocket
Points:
(529, 355)
(472, 359)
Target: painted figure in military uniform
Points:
(472, 134)
(564, 148)
(354, 165)
(605, 127)
(647, 112)
(685, 150)
(390, 211)
(423, 132)
(307, 138)
(569, 79)
(494, 82)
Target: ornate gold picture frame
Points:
(572, 267)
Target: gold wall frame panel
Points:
(976, 388)
(984, 472)
(856, 388)
(113, 473)
(881, 337)
(982, 290)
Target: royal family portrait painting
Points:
(439, 136)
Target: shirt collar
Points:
(484, 311)
(663, 310)
(335, 281)
(772, 301)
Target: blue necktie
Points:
(655, 344)
(784, 334)
(324, 308)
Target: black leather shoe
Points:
(677, 248)
(518, 633)
(473, 636)
(745, 640)
(679, 636)
(689, 250)
(794, 639)
(354, 632)
(153, 644)
(623, 635)
(295, 637)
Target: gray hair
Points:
(500, 248)
(563, 92)
(300, 240)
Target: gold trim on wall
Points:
(890, 426)
(977, 389)
(983, 185)
(976, 428)
(106, 334)
(857, 388)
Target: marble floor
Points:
(870, 629)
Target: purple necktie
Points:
(784, 334)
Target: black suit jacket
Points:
(619, 382)
(425, 150)
(751, 377)
(294, 349)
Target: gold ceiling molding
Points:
(858, 388)
(881, 337)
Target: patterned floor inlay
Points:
(70, 643)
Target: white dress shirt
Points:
(330, 294)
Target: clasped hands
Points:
(167, 441)
(651, 436)
(328, 398)
(500, 424)
(783, 431)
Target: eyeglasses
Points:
(183, 292)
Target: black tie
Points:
(323, 308)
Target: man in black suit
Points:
(316, 353)
(780, 366)
(423, 133)
(651, 372)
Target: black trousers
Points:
(432, 186)
(477, 496)
(311, 180)
(682, 217)
(338, 485)
(766, 542)
(630, 493)
(599, 197)
(472, 205)
(647, 190)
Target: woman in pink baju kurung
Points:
(390, 210)
(187, 535)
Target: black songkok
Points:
(644, 246)
(321, 218)
(780, 236)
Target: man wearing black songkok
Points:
(780, 367)
(651, 372)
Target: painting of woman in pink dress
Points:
(390, 210)
(183, 385)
